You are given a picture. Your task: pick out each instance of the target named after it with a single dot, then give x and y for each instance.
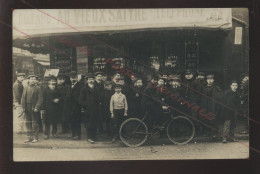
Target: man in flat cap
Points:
(90, 103)
(72, 108)
(232, 103)
(32, 102)
(17, 95)
(211, 94)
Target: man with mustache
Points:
(89, 102)
(72, 108)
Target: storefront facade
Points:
(148, 41)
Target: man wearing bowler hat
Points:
(17, 95)
(72, 108)
(32, 102)
(90, 103)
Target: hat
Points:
(188, 72)
(121, 78)
(73, 74)
(210, 76)
(98, 72)
(154, 76)
(20, 74)
(244, 75)
(201, 73)
(106, 83)
(233, 81)
(61, 75)
(32, 76)
(176, 77)
(118, 86)
(89, 75)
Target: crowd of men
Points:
(102, 103)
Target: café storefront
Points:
(143, 40)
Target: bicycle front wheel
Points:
(133, 132)
(180, 130)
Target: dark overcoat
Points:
(72, 108)
(89, 101)
(188, 90)
(51, 108)
(136, 108)
(63, 90)
(211, 100)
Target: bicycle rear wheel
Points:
(133, 132)
(180, 130)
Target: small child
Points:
(118, 109)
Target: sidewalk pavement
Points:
(63, 142)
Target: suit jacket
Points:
(37, 98)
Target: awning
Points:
(55, 21)
(43, 63)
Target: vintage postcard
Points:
(130, 84)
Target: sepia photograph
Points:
(130, 84)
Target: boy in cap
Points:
(118, 109)
(17, 95)
(32, 102)
(89, 101)
(232, 101)
(51, 99)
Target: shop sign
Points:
(52, 21)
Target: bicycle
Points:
(134, 131)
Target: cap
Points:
(210, 76)
(176, 77)
(32, 75)
(98, 72)
(89, 75)
(73, 74)
(118, 86)
(244, 75)
(61, 76)
(233, 81)
(121, 78)
(20, 74)
(188, 72)
(106, 83)
(154, 76)
(201, 73)
(160, 77)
